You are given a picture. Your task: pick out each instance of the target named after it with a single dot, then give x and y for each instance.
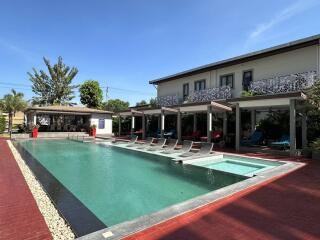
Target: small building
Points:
(68, 119)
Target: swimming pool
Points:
(118, 185)
(246, 166)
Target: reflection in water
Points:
(118, 185)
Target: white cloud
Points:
(285, 14)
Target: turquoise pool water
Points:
(119, 185)
(234, 167)
(237, 165)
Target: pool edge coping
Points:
(62, 212)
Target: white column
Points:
(209, 123)
(238, 125)
(304, 130)
(35, 119)
(162, 123)
(132, 124)
(292, 127)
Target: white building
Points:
(69, 119)
(277, 76)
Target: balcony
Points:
(206, 95)
(169, 100)
(284, 84)
(279, 84)
(210, 94)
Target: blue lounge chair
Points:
(283, 142)
(169, 134)
(255, 139)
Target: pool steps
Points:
(197, 160)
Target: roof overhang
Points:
(215, 106)
(57, 112)
(130, 112)
(78, 111)
(274, 100)
(184, 108)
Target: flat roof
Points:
(66, 109)
(222, 103)
(304, 42)
(216, 103)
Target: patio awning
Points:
(185, 108)
(203, 107)
(57, 109)
(272, 100)
(129, 113)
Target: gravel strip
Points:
(56, 224)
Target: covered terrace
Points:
(178, 110)
(290, 102)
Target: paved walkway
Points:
(286, 208)
(20, 217)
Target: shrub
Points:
(2, 124)
(316, 145)
(248, 93)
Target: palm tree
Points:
(55, 86)
(12, 103)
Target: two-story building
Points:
(276, 77)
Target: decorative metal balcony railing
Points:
(206, 95)
(165, 101)
(284, 84)
(210, 94)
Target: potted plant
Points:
(93, 130)
(35, 131)
(316, 149)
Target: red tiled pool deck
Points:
(286, 207)
(20, 217)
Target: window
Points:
(101, 124)
(246, 80)
(226, 80)
(200, 85)
(185, 91)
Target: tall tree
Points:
(116, 105)
(55, 87)
(314, 94)
(141, 103)
(153, 102)
(91, 94)
(12, 103)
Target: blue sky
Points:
(124, 44)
